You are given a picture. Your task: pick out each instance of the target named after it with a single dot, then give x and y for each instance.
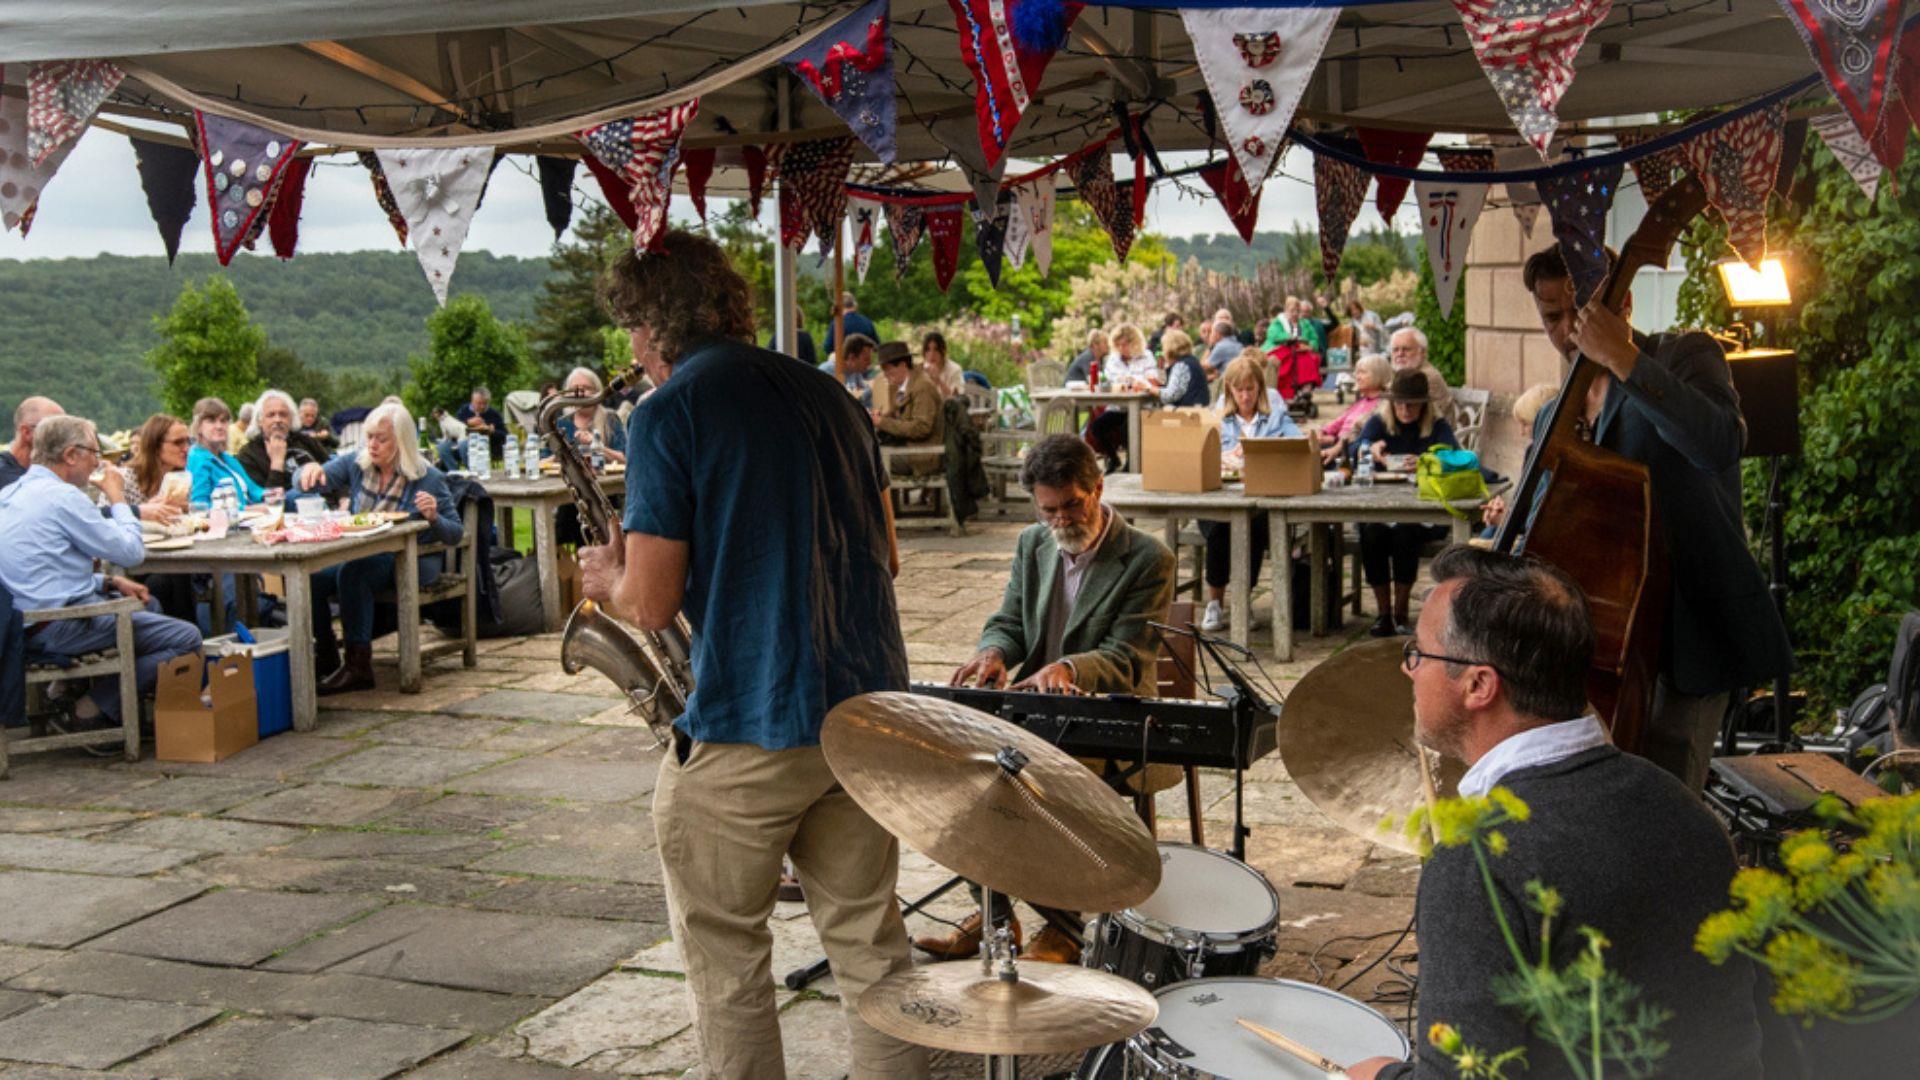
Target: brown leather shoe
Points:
(355, 672)
(964, 942)
(1050, 946)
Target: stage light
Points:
(1750, 288)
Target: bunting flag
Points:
(1852, 151)
(261, 220)
(62, 95)
(1402, 148)
(1338, 191)
(1019, 231)
(1522, 196)
(21, 181)
(556, 190)
(243, 165)
(437, 190)
(850, 68)
(1578, 203)
(1466, 159)
(943, 230)
(1852, 42)
(1737, 163)
(1036, 204)
(754, 160)
(697, 167)
(1093, 178)
(383, 194)
(283, 215)
(960, 139)
(990, 235)
(813, 193)
(167, 174)
(643, 152)
(1655, 170)
(1526, 47)
(614, 191)
(863, 219)
(1007, 60)
(1229, 185)
(905, 225)
(1257, 61)
(1890, 142)
(1448, 212)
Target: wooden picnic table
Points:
(543, 498)
(238, 553)
(1229, 503)
(1077, 401)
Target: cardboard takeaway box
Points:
(192, 725)
(1281, 466)
(1180, 450)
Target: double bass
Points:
(1594, 516)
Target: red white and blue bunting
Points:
(1257, 61)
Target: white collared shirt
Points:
(1074, 567)
(1543, 745)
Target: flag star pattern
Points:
(643, 152)
(1737, 164)
(813, 193)
(1527, 47)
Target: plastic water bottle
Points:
(479, 456)
(1363, 469)
(510, 456)
(596, 451)
(226, 497)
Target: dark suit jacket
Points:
(1107, 638)
(1680, 417)
(301, 449)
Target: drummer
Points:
(1073, 620)
(1498, 663)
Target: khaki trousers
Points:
(725, 816)
(1682, 731)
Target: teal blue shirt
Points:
(208, 469)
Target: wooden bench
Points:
(457, 580)
(904, 480)
(117, 661)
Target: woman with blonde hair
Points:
(1371, 375)
(592, 424)
(388, 475)
(1132, 365)
(1250, 409)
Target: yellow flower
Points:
(1811, 979)
(1895, 890)
(1545, 899)
(1497, 842)
(1721, 933)
(1444, 1038)
(1766, 897)
(1509, 802)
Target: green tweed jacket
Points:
(1107, 639)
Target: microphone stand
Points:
(1242, 701)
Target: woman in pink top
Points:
(1370, 378)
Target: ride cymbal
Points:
(1346, 736)
(990, 801)
(1051, 1008)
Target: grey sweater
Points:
(1635, 856)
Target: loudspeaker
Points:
(1768, 382)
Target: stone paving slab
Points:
(34, 852)
(400, 766)
(61, 910)
(195, 794)
(556, 778)
(530, 704)
(234, 927)
(1323, 857)
(467, 814)
(249, 1049)
(123, 975)
(206, 834)
(386, 698)
(327, 804)
(394, 880)
(335, 721)
(115, 1030)
(280, 757)
(450, 732)
(1312, 918)
(475, 950)
(31, 819)
(15, 960)
(418, 849)
(609, 1021)
(485, 1063)
(606, 843)
(635, 746)
(18, 1001)
(532, 737)
(582, 899)
(795, 944)
(634, 867)
(67, 784)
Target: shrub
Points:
(209, 347)
(466, 348)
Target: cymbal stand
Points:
(997, 959)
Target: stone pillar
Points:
(1507, 352)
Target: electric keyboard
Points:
(1213, 734)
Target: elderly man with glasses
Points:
(54, 533)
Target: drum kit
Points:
(1170, 986)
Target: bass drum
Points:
(1197, 1036)
(1211, 915)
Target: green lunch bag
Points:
(1448, 475)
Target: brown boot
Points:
(355, 672)
(964, 942)
(1051, 946)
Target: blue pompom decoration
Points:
(1038, 26)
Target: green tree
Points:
(1079, 242)
(567, 318)
(750, 250)
(208, 348)
(1446, 337)
(467, 348)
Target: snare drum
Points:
(1197, 1037)
(1211, 915)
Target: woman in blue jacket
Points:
(1249, 409)
(208, 462)
(388, 474)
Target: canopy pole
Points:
(785, 317)
(839, 308)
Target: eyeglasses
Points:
(1411, 656)
(1065, 511)
(184, 440)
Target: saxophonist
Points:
(756, 503)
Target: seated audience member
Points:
(1223, 347)
(1186, 380)
(387, 475)
(476, 417)
(19, 456)
(913, 413)
(54, 533)
(939, 366)
(314, 426)
(1050, 641)
(1173, 321)
(853, 320)
(548, 389)
(208, 462)
(856, 369)
(592, 427)
(803, 349)
(1369, 333)
(1249, 410)
(160, 490)
(1371, 377)
(242, 429)
(276, 449)
(1499, 670)
(1403, 426)
(1081, 369)
(1408, 352)
(1131, 364)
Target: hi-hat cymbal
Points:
(1051, 1008)
(1049, 832)
(1346, 736)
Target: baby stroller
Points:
(1296, 375)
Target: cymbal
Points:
(1346, 736)
(1052, 1008)
(1051, 833)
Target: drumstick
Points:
(1311, 1057)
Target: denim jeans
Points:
(156, 640)
(354, 584)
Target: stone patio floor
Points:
(462, 882)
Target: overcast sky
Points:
(95, 205)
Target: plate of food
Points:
(363, 523)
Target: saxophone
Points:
(653, 668)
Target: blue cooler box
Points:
(272, 674)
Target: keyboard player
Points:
(1085, 584)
